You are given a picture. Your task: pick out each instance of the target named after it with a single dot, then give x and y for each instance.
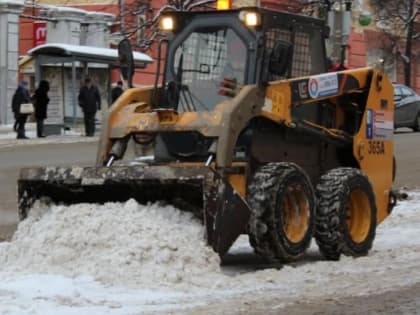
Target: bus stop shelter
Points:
(77, 57)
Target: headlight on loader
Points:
(250, 18)
(167, 24)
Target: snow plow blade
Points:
(197, 189)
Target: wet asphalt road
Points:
(400, 300)
(12, 158)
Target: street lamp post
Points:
(345, 29)
(339, 21)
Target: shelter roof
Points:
(87, 53)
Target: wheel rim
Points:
(358, 215)
(296, 213)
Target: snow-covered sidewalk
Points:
(75, 134)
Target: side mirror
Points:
(125, 58)
(280, 57)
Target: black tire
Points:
(282, 203)
(346, 214)
(416, 126)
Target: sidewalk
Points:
(74, 134)
(6, 131)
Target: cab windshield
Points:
(208, 67)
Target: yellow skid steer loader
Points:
(249, 131)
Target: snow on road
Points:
(125, 258)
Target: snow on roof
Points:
(102, 54)
(63, 9)
(54, 10)
(100, 14)
(21, 2)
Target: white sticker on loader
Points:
(323, 85)
(268, 105)
(379, 124)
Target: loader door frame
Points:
(306, 36)
(248, 37)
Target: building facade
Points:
(9, 53)
(367, 44)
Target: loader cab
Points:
(207, 50)
(210, 55)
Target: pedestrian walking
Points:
(20, 97)
(116, 91)
(90, 102)
(41, 100)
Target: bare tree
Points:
(397, 19)
(149, 31)
(141, 18)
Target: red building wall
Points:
(26, 35)
(359, 43)
(142, 76)
(357, 50)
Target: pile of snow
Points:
(116, 243)
(125, 258)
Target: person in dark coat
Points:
(90, 102)
(21, 96)
(41, 101)
(116, 92)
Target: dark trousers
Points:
(20, 126)
(39, 127)
(89, 124)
